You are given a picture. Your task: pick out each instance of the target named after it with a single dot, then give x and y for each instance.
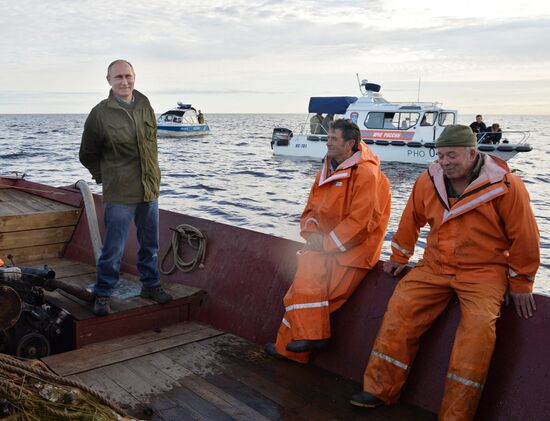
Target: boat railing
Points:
(513, 137)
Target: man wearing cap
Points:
(483, 241)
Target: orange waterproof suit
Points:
(479, 244)
(350, 206)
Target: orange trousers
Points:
(320, 287)
(418, 300)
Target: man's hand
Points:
(315, 242)
(524, 303)
(393, 268)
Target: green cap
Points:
(456, 135)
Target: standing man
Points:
(325, 124)
(200, 117)
(344, 223)
(483, 241)
(119, 148)
(316, 124)
(478, 126)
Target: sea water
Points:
(231, 175)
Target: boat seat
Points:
(485, 148)
(524, 148)
(397, 143)
(414, 144)
(382, 142)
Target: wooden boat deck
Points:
(130, 313)
(191, 371)
(34, 227)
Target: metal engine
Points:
(29, 327)
(281, 136)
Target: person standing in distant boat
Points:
(200, 117)
(478, 126)
(316, 124)
(344, 223)
(329, 118)
(119, 148)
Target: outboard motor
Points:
(281, 136)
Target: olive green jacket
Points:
(119, 148)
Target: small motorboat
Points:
(182, 121)
(395, 131)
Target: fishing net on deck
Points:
(30, 391)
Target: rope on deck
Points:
(21, 384)
(195, 239)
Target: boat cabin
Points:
(380, 119)
(184, 113)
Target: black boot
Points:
(304, 345)
(270, 350)
(102, 306)
(366, 400)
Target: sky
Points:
(236, 56)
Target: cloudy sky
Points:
(491, 57)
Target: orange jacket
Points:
(351, 208)
(489, 232)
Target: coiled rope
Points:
(195, 239)
(17, 388)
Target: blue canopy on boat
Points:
(330, 104)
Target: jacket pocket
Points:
(150, 130)
(120, 133)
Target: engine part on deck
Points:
(33, 345)
(10, 307)
(29, 281)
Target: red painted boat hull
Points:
(247, 274)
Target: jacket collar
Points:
(139, 99)
(364, 154)
(487, 186)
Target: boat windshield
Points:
(391, 120)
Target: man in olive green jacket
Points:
(119, 148)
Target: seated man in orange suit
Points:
(344, 223)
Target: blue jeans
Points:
(117, 221)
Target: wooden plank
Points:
(130, 309)
(31, 201)
(176, 414)
(250, 397)
(225, 402)
(65, 366)
(169, 387)
(99, 381)
(130, 341)
(38, 237)
(39, 220)
(158, 392)
(26, 254)
(8, 209)
(204, 362)
(327, 390)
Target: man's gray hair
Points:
(120, 61)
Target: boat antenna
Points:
(359, 83)
(418, 95)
